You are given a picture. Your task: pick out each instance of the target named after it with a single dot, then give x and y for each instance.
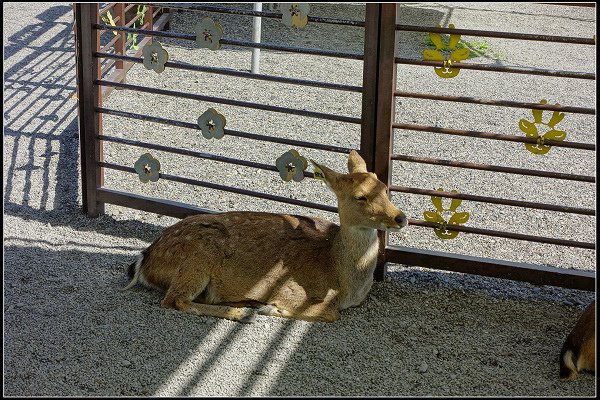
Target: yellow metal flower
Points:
(294, 14)
(530, 129)
(457, 218)
(436, 55)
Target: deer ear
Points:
(331, 177)
(356, 163)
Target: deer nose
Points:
(401, 220)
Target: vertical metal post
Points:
(88, 69)
(149, 21)
(119, 9)
(369, 87)
(385, 114)
(256, 28)
(379, 82)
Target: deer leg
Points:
(317, 312)
(182, 292)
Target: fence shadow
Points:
(42, 179)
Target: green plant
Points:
(141, 12)
(477, 48)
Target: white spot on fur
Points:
(568, 360)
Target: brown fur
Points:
(287, 265)
(579, 350)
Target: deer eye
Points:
(360, 198)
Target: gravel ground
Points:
(68, 331)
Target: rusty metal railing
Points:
(377, 121)
(465, 263)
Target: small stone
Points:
(568, 303)
(436, 352)
(412, 279)
(452, 376)
(423, 367)
(126, 363)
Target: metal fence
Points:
(377, 122)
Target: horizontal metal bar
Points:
(193, 153)
(496, 168)
(264, 14)
(159, 206)
(241, 74)
(536, 274)
(231, 102)
(507, 235)
(224, 188)
(496, 34)
(240, 43)
(246, 135)
(494, 136)
(501, 103)
(494, 200)
(497, 68)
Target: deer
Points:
(237, 264)
(579, 349)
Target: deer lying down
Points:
(579, 351)
(285, 265)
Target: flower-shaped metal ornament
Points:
(212, 123)
(148, 168)
(457, 218)
(209, 34)
(155, 56)
(530, 129)
(437, 55)
(291, 165)
(294, 14)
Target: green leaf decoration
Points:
(557, 116)
(537, 114)
(555, 135)
(433, 55)
(459, 218)
(431, 216)
(436, 38)
(455, 203)
(531, 130)
(454, 38)
(437, 201)
(460, 54)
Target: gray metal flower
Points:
(212, 124)
(291, 165)
(294, 14)
(209, 34)
(148, 168)
(155, 57)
